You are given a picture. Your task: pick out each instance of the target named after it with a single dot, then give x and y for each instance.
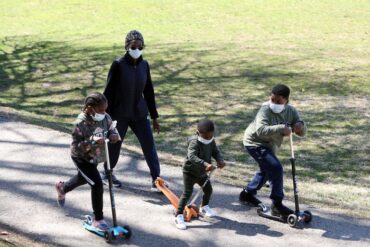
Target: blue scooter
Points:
(115, 232)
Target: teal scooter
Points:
(115, 232)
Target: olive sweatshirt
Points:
(266, 128)
(198, 154)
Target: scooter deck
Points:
(111, 232)
(92, 229)
(189, 212)
(266, 213)
(174, 200)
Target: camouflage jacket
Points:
(84, 134)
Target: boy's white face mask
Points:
(205, 141)
(276, 108)
(98, 117)
(135, 54)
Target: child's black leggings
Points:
(88, 173)
(189, 182)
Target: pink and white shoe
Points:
(59, 186)
(100, 225)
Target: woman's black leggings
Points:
(88, 173)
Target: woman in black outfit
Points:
(130, 95)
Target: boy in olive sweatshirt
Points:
(201, 149)
(274, 120)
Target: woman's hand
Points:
(156, 126)
(114, 138)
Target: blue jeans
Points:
(270, 169)
(143, 132)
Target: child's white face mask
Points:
(276, 108)
(98, 117)
(205, 141)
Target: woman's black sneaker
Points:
(278, 209)
(116, 183)
(248, 198)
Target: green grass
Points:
(208, 58)
(4, 243)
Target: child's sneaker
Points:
(180, 223)
(207, 211)
(248, 198)
(100, 225)
(61, 195)
(155, 189)
(278, 209)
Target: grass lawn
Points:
(209, 58)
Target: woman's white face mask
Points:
(276, 108)
(205, 141)
(135, 54)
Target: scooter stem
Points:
(113, 204)
(295, 189)
(291, 146)
(201, 189)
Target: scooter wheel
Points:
(292, 220)
(129, 233)
(260, 212)
(108, 236)
(307, 216)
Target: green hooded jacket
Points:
(198, 154)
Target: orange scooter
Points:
(191, 210)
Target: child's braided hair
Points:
(94, 100)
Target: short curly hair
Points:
(205, 125)
(281, 90)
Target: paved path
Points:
(33, 158)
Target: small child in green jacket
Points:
(201, 149)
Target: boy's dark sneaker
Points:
(116, 183)
(248, 198)
(278, 209)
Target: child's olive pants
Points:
(189, 182)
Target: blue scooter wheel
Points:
(129, 233)
(108, 235)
